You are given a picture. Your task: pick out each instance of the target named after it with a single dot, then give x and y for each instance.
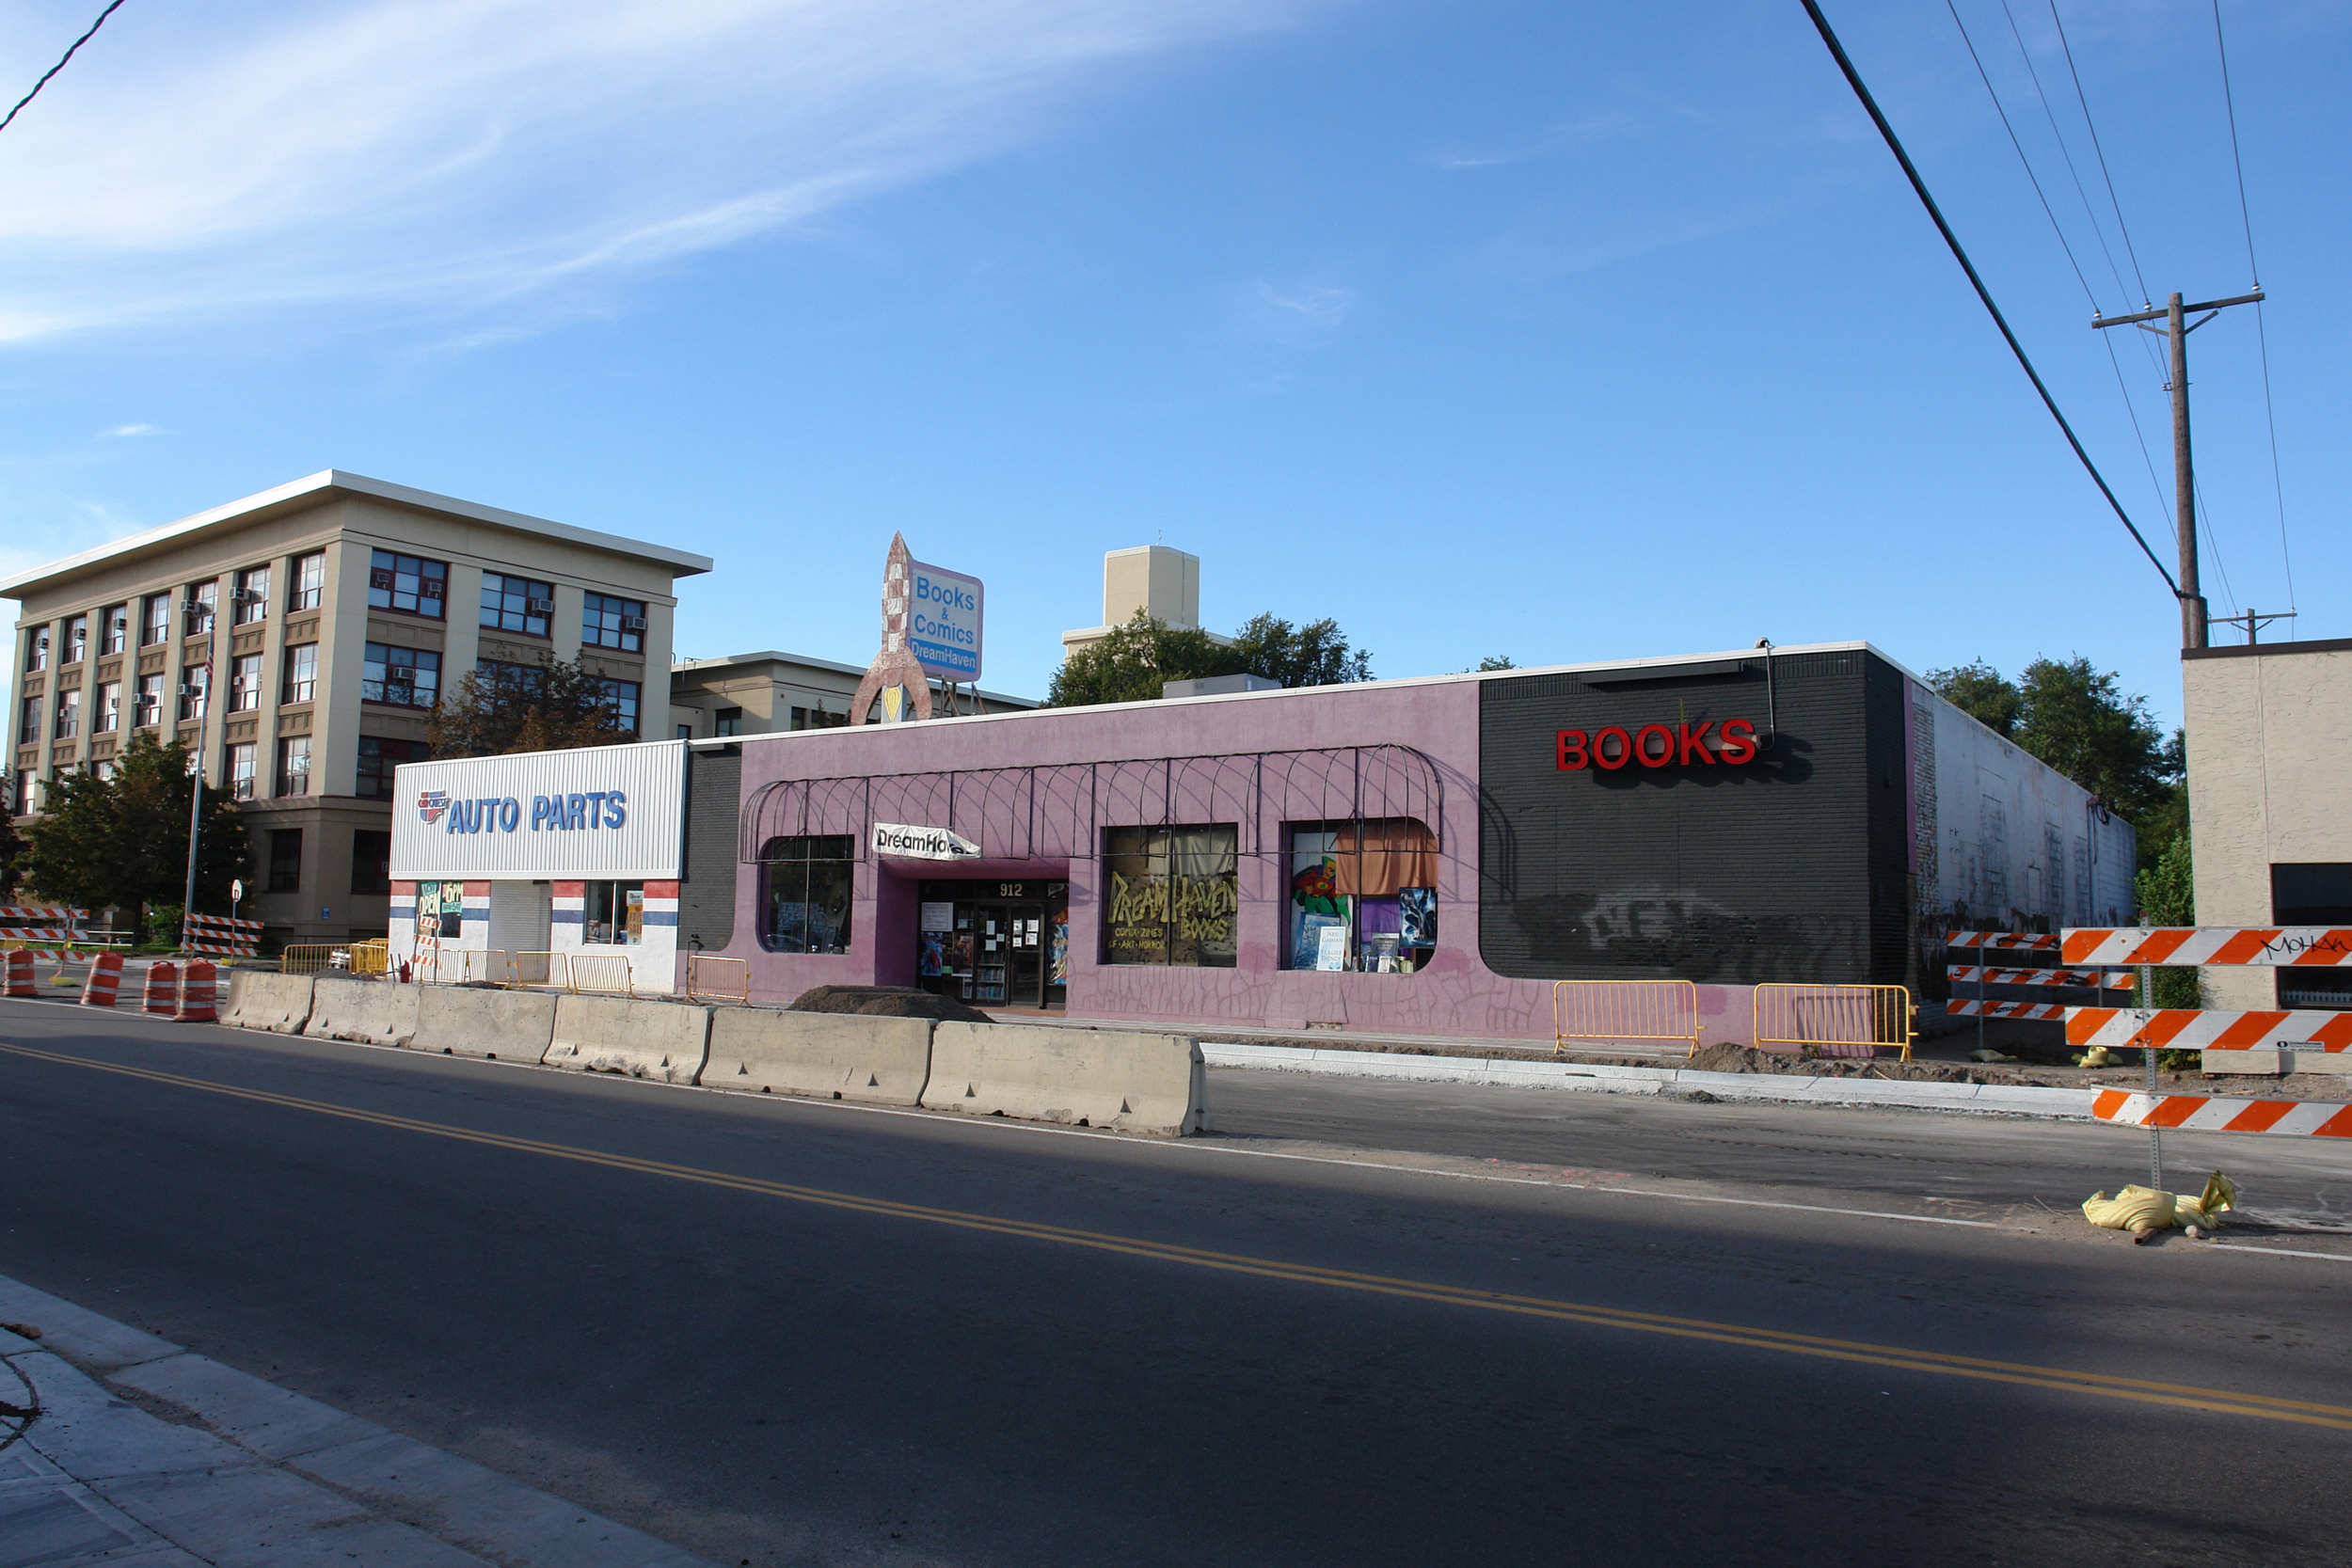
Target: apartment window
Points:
(804, 894)
(251, 595)
(69, 713)
(102, 769)
(21, 793)
(115, 628)
(197, 609)
(285, 860)
(1172, 895)
(245, 683)
(402, 677)
(107, 717)
(613, 914)
(625, 696)
(378, 757)
(407, 584)
(686, 732)
(517, 604)
(730, 722)
(817, 719)
(37, 648)
(1364, 895)
(149, 708)
(193, 681)
(310, 582)
(611, 622)
(371, 861)
(242, 755)
(76, 639)
(302, 673)
(28, 722)
(294, 764)
(154, 620)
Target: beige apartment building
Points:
(765, 692)
(327, 615)
(2270, 806)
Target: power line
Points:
(2027, 162)
(2092, 127)
(110, 10)
(1894, 144)
(2261, 337)
(2050, 115)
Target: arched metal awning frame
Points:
(1057, 810)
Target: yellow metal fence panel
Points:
(1837, 1021)
(711, 978)
(309, 958)
(602, 972)
(371, 957)
(1626, 1011)
(536, 969)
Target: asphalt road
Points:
(787, 1333)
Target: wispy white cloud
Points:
(443, 156)
(1301, 316)
(123, 431)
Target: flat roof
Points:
(771, 656)
(326, 484)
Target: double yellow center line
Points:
(1892, 1358)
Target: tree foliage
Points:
(1135, 660)
(11, 855)
(123, 841)
(2079, 720)
(551, 706)
(2166, 895)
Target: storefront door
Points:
(996, 943)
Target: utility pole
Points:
(2176, 328)
(2253, 621)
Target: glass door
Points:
(992, 954)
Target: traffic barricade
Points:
(218, 933)
(41, 922)
(105, 979)
(1625, 1012)
(311, 957)
(600, 973)
(711, 977)
(371, 957)
(526, 970)
(200, 993)
(21, 981)
(1835, 1021)
(162, 991)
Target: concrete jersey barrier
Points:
(498, 1025)
(258, 1000)
(879, 1061)
(373, 1012)
(1130, 1083)
(662, 1041)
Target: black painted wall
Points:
(1790, 868)
(705, 895)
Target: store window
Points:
(154, 620)
(1172, 893)
(613, 914)
(407, 584)
(624, 695)
(76, 639)
(371, 861)
(310, 582)
(294, 764)
(114, 628)
(195, 681)
(245, 683)
(69, 713)
(196, 610)
(108, 719)
(378, 757)
(728, 722)
(804, 888)
(148, 709)
(285, 860)
(241, 761)
(1364, 895)
(2313, 892)
(605, 622)
(251, 595)
(401, 677)
(302, 673)
(517, 603)
(441, 909)
(37, 648)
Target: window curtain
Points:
(1378, 857)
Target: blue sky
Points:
(1560, 331)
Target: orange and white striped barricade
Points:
(2211, 1113)
(2209, 1029)
(2266, 947)
(105, 979)
(2006, 942)
(2051, 1012)
(162, 994)
(218, 933)
(20, 979)
(2079, 979)
(200, 993)
(43, 922)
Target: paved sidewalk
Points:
(250, 1474)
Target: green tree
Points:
(1494, 661)
(123, 840)
(551, 706)
(1135, 660)
(1316, 653)
(11, 852)
(2079, 720)
(2166, 895)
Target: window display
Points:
(613, 914)
(1172, 894)
(1362, 896)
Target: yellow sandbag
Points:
(2144, 1208)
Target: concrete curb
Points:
(2004, 1099)
(270, 1476)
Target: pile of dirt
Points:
(886, 1002)
(1745, 1058)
